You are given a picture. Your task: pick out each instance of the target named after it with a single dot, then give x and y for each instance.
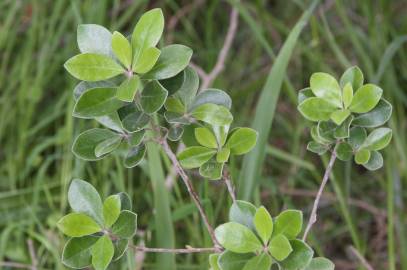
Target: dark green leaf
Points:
(233, 261)
(93, 38)
(242, 212)
(120, 247)
(195, 156)
(375, 161)
(326, 131)
(153, 97)
(342, 131)
(288, 223)
(187, 91)
(77, 252)
(133, 119)
(176, 118)
(211, 170)
(175, 83)
(344, 151)
(111, 121)
(376, 117)
(83, 86)
(126, 225)
(77, 225)
(317, 148)
(357, 136)
(102, 253)
(315, 136)
(237, 238)
(108, 145)
(128, 89)
(125, 201)
(175, 133)
(354, 76)
(366, 98)
(305, 93)
(320, 264)
(134, 156)
(299, 258)
(242, 141)
(136, 138)
(316, 109)
(326, 87)
(174, 105)
(213, 96)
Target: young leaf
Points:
(378, 139)
(326, 87)
(195, 156)
(357, 135)
(320, 264)
(213, 114)
(93, 67)
(122, 49)
(288, 223)
(102, 253)
(77, 225)
(84, 198)
(362, 156)
(342, 131)
(305, 93)
(136, 138)
(213, 261)
(135, 156)
(237, 238)
(317, 148)
(315, 136)
(211, 170)
(147, 60)
(259, 262)
(153, 97)
(128, 89)
(347, 95)
(353, 76)
(344, 151)
(339, 116)
(85, 144)
(187, 91)
(175, 105)
(326, 131)
(221, 133)
(175, 133)
(173, 59)
(126, 225)
(280, 247)
(147, 32)
(213, 96)
(205, 137)
(111, 209)
(376, 117)
(108, 145)
(242, 141)
(120, 247)
(243, 212)
(93, 38)
(223, 155)
(97, 102)
(263, 223)
(84, 86)
(77, 252)
(316, 109)
(375, 161)
(299, 258)
(233, 261)
(365, 98)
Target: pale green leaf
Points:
(213, 96)
(102, 253)
(120, 247)
(339, 116)
(375, 161)
(126, 225)
(362, 156)
(326, 87)
(376, 117)
(195, 156)
(353, 76)
(77, 225)
(280, 247)
(299, 258)
(317, 148)
(320, 264)
(344, 151)
(128, 88)
(316, 109)
(243, 212)
(122, 49)
(93, 38)
(237, 238)
(378, 139)
(347, 95)
(175, 105)
(260, 262)
(213, 261)
(111, 209)
(305, 93)
(366, 98)
(211, 170)
(175, 133)
(343, 130)
(84, 86)
(213, 114)
(241, 141)
(288, 223)
(263, 223)
(205, 137)
(223, 155)
(147, 60)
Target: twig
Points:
(313, 217)
(229, 184)
(362, 259)
(180, 171)
(173, 250)
(33, 256)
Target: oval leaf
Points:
(205, 137)
(211, 170)
(326, 87)
(126, 225)
(243, 212)
(135, 156)
(128, 89)
(375, 161)
(320, 264)
(260, 262)
(316, 109)
(288, 223)
(376, 117)
(237, 238)
(378, 139)
(111, 209)
(242, 141)
(344, 151)
(299, 258)
(102, 253)
(153, 97)
(353, 76)
(280, 247)
(195, 156)
(263, 223)
(357, 136)
(122, 49)
(77, 225)
(214, 96)
(77, 252)
(147, 60)
(233, 261)
(108, 145)
(362, 156)
(93, 38)
(366, 98)
(213, 114)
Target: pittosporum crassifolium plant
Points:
(349, 116)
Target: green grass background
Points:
(361, 209)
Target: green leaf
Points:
(288, 223)
(77, 225)
(352, 75)
(77, 252)
(223, 155)
(175, 105)
(378, 139)
(320, 264)
(213, 96)
(213, 261)
(339, 116)
(125, 201)
(263, 223)
(280, 247)
(326, 87)
(102, 253)
(233, 261)
(174, 84)
(242, 212)
(211, 170)
(221, 134)
(128, 89)
(111, 121)
(136, 138)
(147, 60)
(260, 262)
(299, 258)
(122, 49)
(362, 156)
(92, 67)
(147, 33)
(315, 136)
(347, 95)
(342, 131)
(305, 93)
(173, 59)
(176, 118)
(357, 135)
(175, 133)
(376, 117)
(375, 161)
(135, 156)
(108, 145)
(195, 156)
(213, 114)
(316, 109)
(326, 130)
(317, 148)
(153, 97)
(93, 38)
(97, 102)
(189, 87)
(133, 120)
(344, 151)
(241, 141)
(84, 86)
(205, 137)
(111, 210)
(237, 238)
(366, 98)
(120, 247)
(126, 225)
(84, 198)
(85, 144)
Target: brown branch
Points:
(313, 216)
(180, 171)
(228, 181)
(186, 250)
